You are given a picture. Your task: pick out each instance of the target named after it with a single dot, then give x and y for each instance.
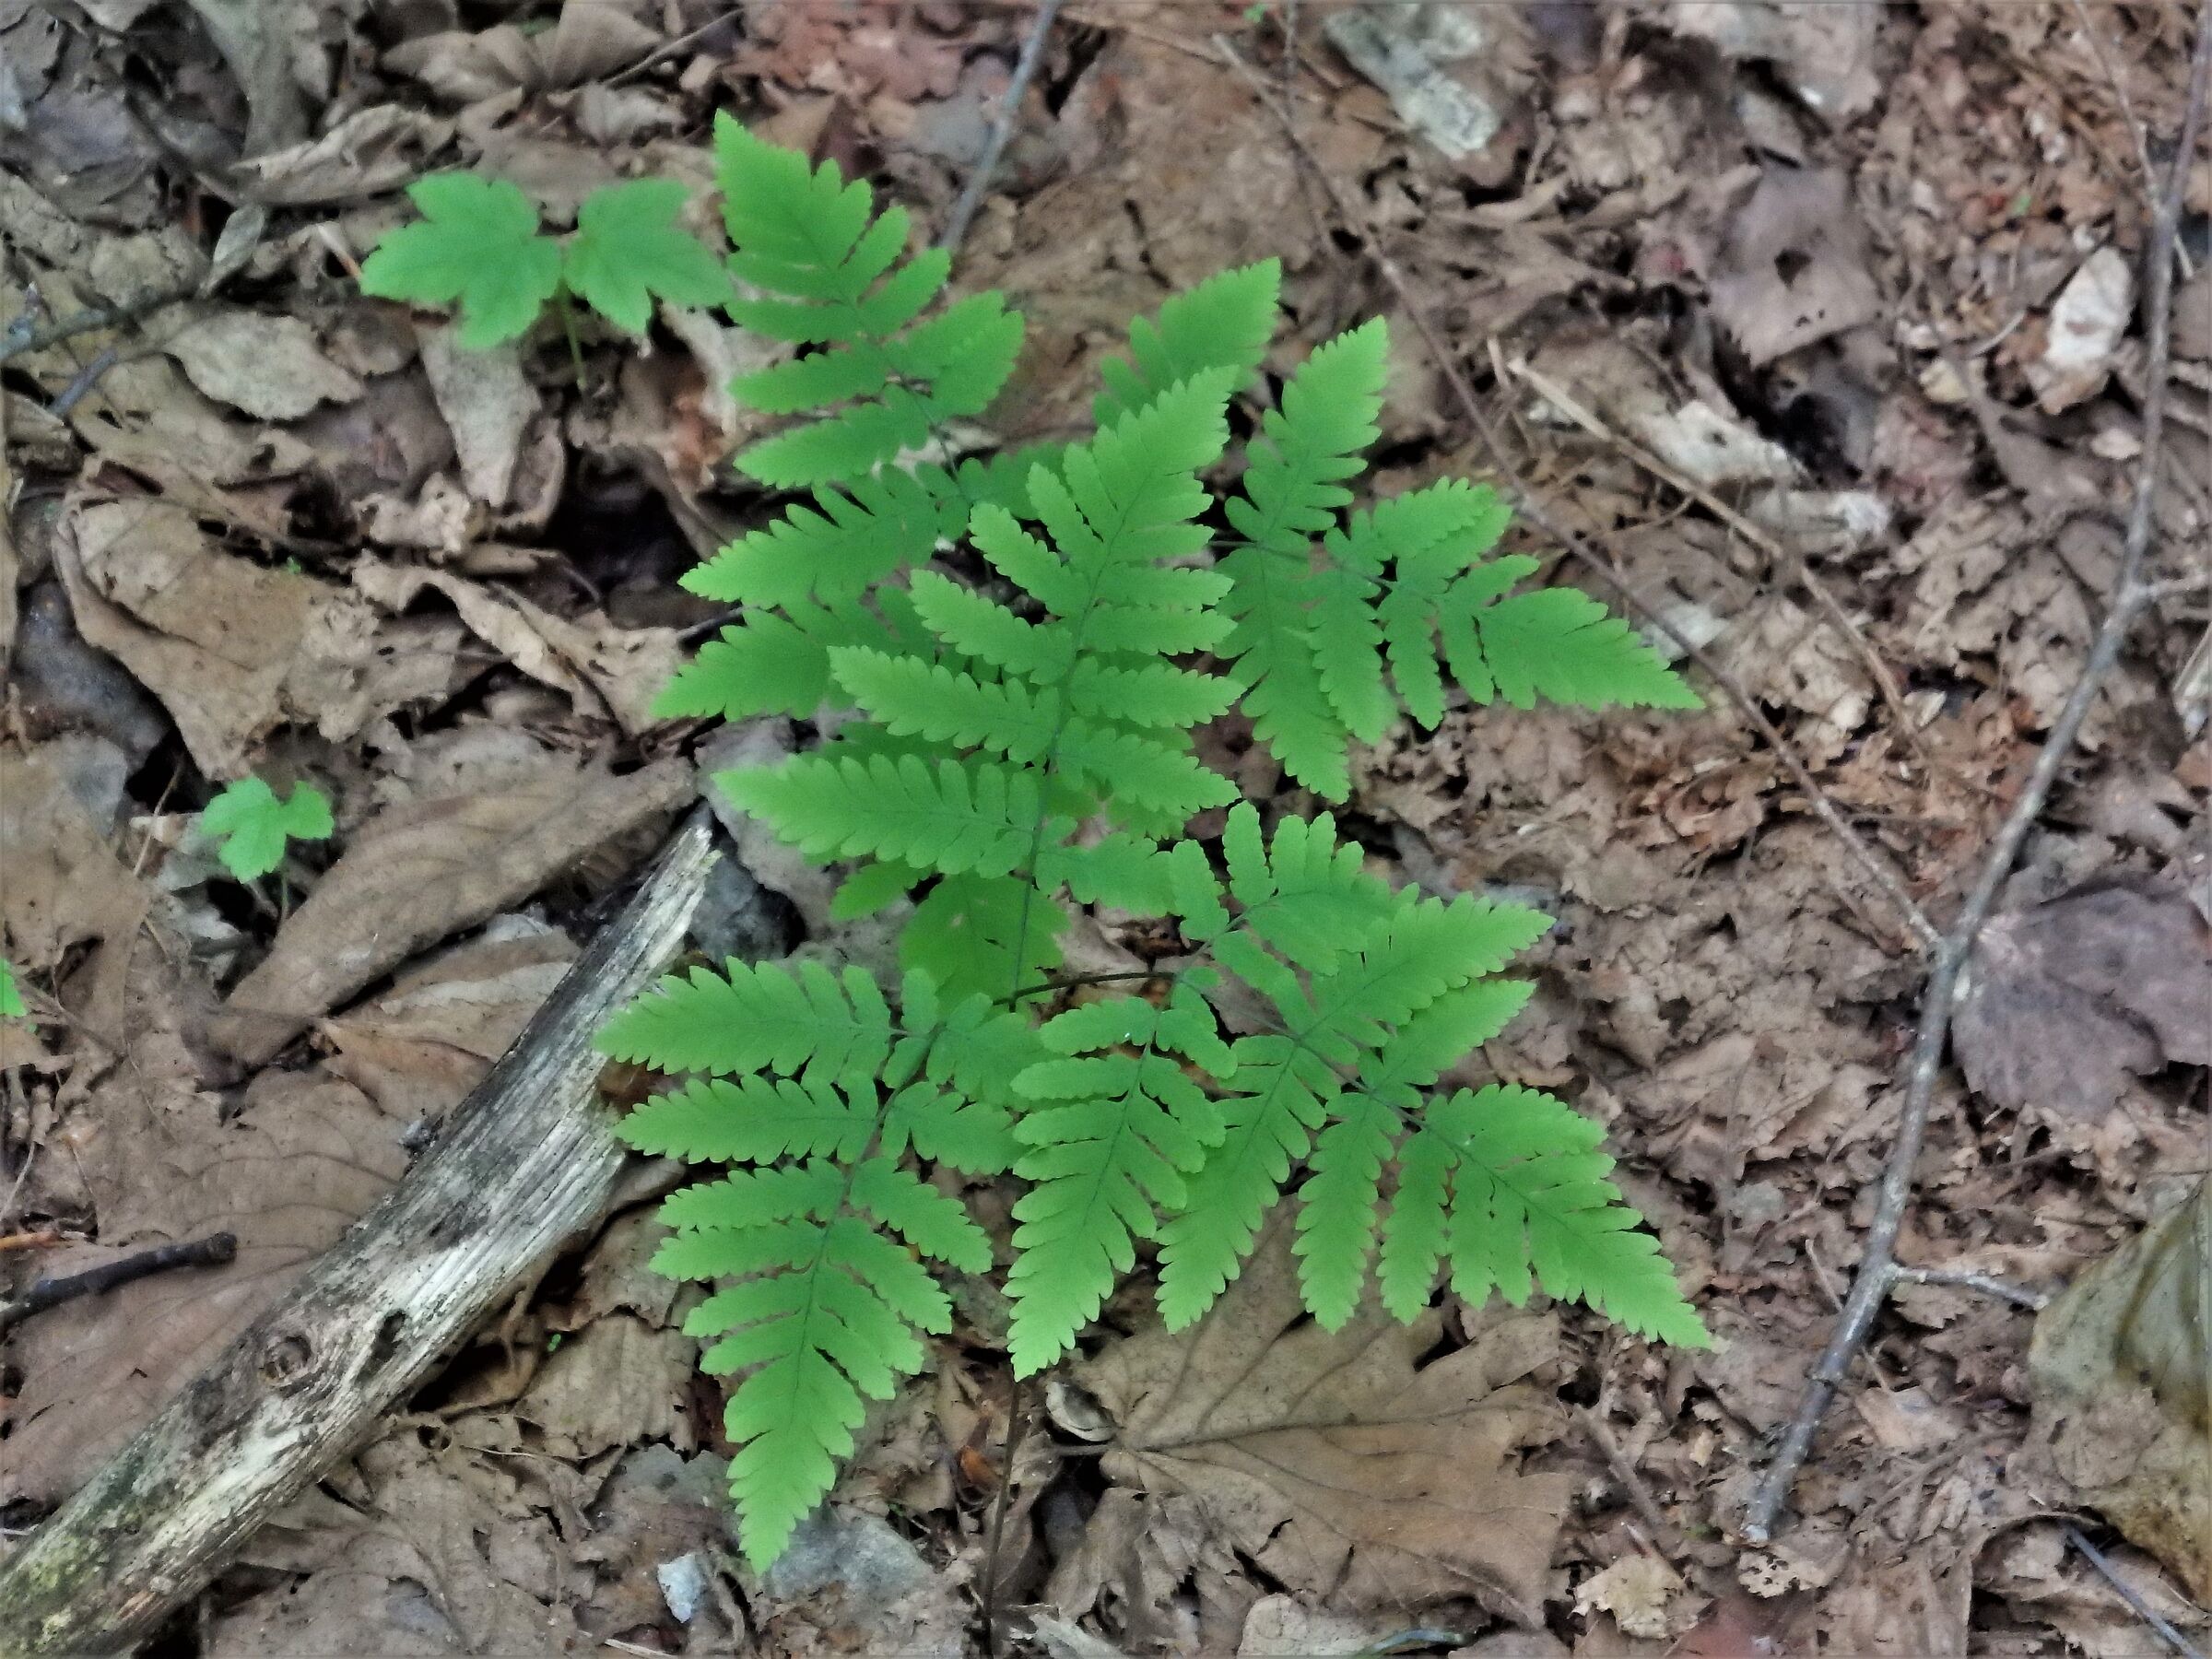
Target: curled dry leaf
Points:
(1340, 1464)
(421, 872)
(2065, 999)
(60, 884)
(233, 649)
(487, 404)
(601, 666)
(2121, 1378)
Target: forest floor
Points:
(1824, 323)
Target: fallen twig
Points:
(19, 340)
(1889, 883)
(2141, 1609)
(210, 1252)
(528, 1162)
(1002, 127)
(2130, 596)
(2019, 1295)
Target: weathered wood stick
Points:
(524, 1164)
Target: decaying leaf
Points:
(2121, 1369)
(1794, 270)
(421, 1046)
(1344, 1467)
(601, 666)
(288, 1174)
(232, 648)
(2065, 999)
(272, 367)
(441, 1552)
(421, 872)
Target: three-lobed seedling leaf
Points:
(480, 242)
(1009, 738)
(253, 827)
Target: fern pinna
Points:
(1008, 662)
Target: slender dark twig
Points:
(1016, 1429)
(1002, 128)
(2141, 1609)
(210, 1252)
(19, 340)
(2131, 596)
(1533, 509)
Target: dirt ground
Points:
(1825, 321)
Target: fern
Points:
(1010, 740)
(807, 1065)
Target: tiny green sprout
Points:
(11, 998)
(1256, 11)
(255, 826)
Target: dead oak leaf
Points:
(2066, 998)
(1337, 1462)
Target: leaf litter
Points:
(293, 534)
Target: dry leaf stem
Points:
(1531, 507)
(2131, 596)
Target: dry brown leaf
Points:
(1156, 1573)
(2119, 1368)
(1794, 269)
(1344, 1468)
(422, 1045)
(272, 367)
(617, 1382)
(306, 1156)
(600, 666)
(370, 152)
(593, 37)
(1645, 1595)
(60, 884)
(232, 648)
(487, 404)
(2065, 1000)
(443, 1554)
(421, 872)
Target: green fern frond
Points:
(1286, 1085)
(829, 272)
(1292, 492)
(793, 1019)
(1561, 646)
(984, 934)
(827, 1292)
(1112, 1134)
(1224, 322)
(1530, 1205)
(834, 552)
(953, 816)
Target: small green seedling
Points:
(480, 242)
(254, 827)
(11, 998)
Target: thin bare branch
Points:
(2130, 597)
(2141, 1609)
(1533, 509)
(1002, 127)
